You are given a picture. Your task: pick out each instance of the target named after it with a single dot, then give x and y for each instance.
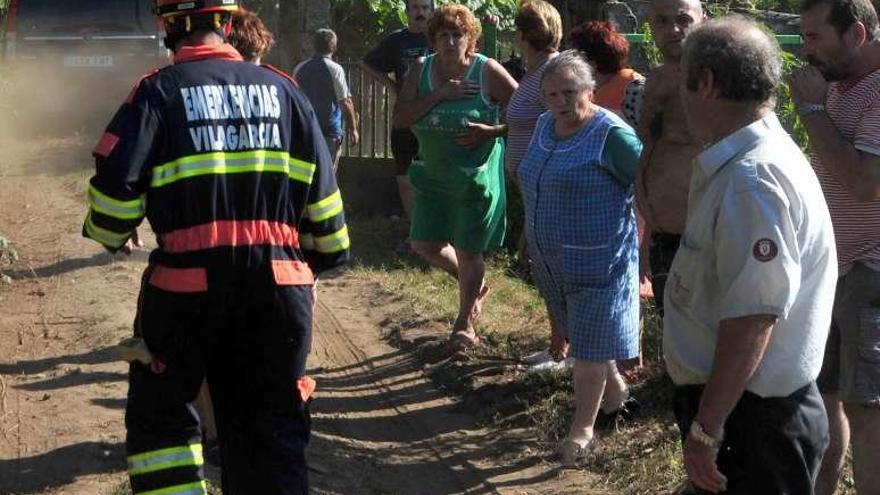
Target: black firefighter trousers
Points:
(250, 337)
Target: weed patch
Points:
(642, 457)
(493, 383)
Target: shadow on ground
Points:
(68, 265)
(97, 356)
(60, 467)
(413, 440)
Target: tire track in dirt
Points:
(379, 423)
(381, 415)
(69, 301)
(380, 426)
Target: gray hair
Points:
(324, 40)
(574, 61)
(745, 62)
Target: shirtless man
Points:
(664, 174)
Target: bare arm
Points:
(501, 83)
(741, 345)
(856, 170)
(651, 105)
(641, 193)
(351, 121)
(740, 349)
(651, 108)
(408, 108)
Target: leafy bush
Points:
(7, 253)
(392, 12)
(649, 48)
(785, 105)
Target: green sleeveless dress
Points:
(459, 192)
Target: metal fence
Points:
(374, 102)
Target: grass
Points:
(513, 323)
(8, 255)
(123, 488)
(642, 457)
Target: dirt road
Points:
(380, 426)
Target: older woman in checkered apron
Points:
(578, 196)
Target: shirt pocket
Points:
(292, 272)
(586, 266)
(682, 284)
(867, 369)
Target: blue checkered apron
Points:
(582, 237)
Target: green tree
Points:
(392, 12)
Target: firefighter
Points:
(227, 162)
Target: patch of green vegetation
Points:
(8, 255)
(638, 459)
(513, 322)
(649, 47)
(641, 457)
(123, 488)
(785, 106)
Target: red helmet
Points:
(171, 8)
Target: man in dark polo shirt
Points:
(394, 55)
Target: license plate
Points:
(88, 61)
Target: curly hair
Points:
(455, 16)
(540, 25)
(250, 36)
(602, 45)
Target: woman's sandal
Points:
(462, 340)
(612, 420)
(570, 453)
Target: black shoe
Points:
(211, 450)
(626, 412)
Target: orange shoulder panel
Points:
(281, 73)
(137, 85)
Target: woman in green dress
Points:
(451, 100)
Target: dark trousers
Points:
(661, 254)
(405, 148)
(771, 446)
(250, 339)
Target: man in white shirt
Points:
(750, 292)
(323, 81)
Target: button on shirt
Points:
(758, 240)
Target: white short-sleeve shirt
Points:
(758, 240)
(337, 75)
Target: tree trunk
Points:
(296, 20)
(286, 34)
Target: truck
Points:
(71, 63)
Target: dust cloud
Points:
(43, 100)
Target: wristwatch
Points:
(803, 108)
(699, 434)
